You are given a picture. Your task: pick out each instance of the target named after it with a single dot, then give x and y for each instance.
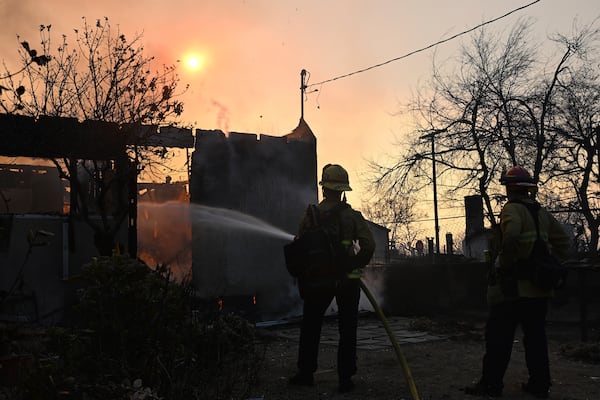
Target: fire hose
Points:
(388, 329)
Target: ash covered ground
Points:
(443, 354)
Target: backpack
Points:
(541, 268)
(318, 253)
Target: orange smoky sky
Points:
(254, 51)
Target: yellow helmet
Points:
(335, 177)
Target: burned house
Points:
(270, 178)
(46, 233)
(43, 242)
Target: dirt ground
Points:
(440, 368)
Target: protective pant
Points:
(530, 314)
(316, 302)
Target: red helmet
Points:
(517, 176)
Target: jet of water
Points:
(232, 219)
(222, 218)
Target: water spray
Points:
(222, 218)
(225, 218)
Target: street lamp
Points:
(431, 135)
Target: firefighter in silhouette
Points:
(512, 297)
(318, 292)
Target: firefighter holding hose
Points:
(342, 282)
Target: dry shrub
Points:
(133, 336)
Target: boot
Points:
(536, 391)
(346, 385)
(302, 379)
(481, 389)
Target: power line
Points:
(424, 48)
(440, 218)
(497, 215)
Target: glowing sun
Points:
(193, 61)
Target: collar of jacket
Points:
(328, 204)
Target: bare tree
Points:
(398, 213)
(576, 166)
(103, 77)
(498, 108)
(467, 112)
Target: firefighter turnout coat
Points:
(353, 227)
(518, 233)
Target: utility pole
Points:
(431, 135)
(598, 145)
(302, 90)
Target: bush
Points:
(132, 336)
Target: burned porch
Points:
(46, 232)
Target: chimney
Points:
(473, 214)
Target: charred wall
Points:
(267, 177)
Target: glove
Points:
(355, 247)
(497, 263)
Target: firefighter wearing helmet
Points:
(335, 177)
(356, 241)
(513, 299)
(518, 177)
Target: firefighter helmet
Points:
(517, 176)
(335, 177)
